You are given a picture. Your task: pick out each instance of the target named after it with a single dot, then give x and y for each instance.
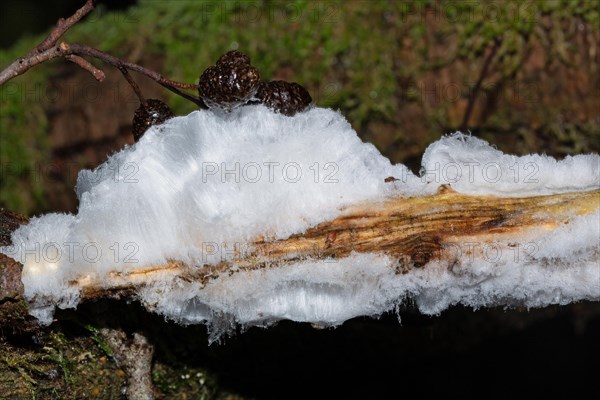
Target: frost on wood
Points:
(204, 189)
(472, 166)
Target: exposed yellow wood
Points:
(414, 230)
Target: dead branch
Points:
(61, 27)
(484, 70)
(50, 49)
(135, 356)
(85, 64)
(413, 230)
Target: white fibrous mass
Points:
(195, 187)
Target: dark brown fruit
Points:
(234, 58)
(232, 82)
(153, 113)
(284, 97)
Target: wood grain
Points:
(414, 230)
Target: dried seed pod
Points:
(154, 112)
(284, 97)
(232, 82)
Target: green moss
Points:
(184, 382)
(97, 337)
(57, 367)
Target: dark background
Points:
(23, 17)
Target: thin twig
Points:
(118, 63)
(477, 87)
(61, 27)
(49, 49)
(134, 86)
(85, 64)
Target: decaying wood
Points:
(11, 286)
(14, 315)
(415, 230)
(135, 356)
